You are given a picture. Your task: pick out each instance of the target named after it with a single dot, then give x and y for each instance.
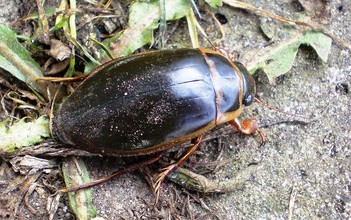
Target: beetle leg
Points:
(130, 168)
(248, 126)
(166, 170)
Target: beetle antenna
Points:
(279, 110)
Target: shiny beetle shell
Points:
(153, 101)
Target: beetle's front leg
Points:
(248, 126)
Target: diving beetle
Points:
(149, 102)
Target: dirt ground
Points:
(303, 170)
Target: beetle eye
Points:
(249, 89)
(248, 100)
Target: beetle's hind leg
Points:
(130, 168)
(248, 126)
(166, 170)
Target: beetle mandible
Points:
(149, 102)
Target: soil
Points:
(303, 169)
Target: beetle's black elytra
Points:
(152, 101)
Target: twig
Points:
(292, 202)
(247, 6)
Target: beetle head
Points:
(249, 85)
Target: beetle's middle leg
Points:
(248, 126)
(166, 170)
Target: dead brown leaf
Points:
(316, 8)
(51, 67)
(58, 50)
(317, 11)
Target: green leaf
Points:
(278, 60)
(214, 3)
(143, 19)
(35, 15)
(8, 38)
(191, 20)
(320, 43)
(81, 202)
(15, 59)
(177, 9)
(22, 133)
(7, 65)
